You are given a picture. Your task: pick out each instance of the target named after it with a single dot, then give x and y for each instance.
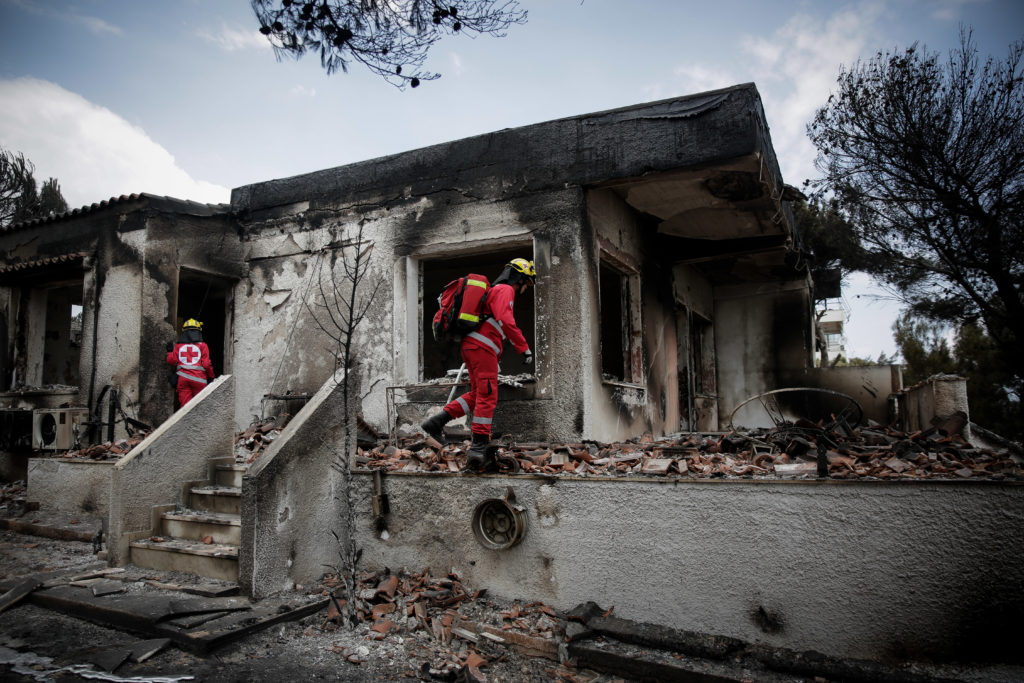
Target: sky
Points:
(186, 99)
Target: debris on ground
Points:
(447, 629)
(12, 498)
(800, 449)
(108, 450)
(250, 442)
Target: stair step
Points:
(229, 475)
(215, 560)
(205, 517)
(216, 499)
(223, 527)
(217, 490)
(181, 545)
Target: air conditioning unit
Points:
(56, 429)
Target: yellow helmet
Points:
(192, 324)
(523, 266)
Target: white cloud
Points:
(698, 78)
(950, 10)
(93, 24)
(93, 152)
(232, 39)
(795, 69)
(302, 91)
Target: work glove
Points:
(170, 346)
(528, 357)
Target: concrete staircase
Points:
(211, 511)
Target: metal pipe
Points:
(458, 377)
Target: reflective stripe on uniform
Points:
(484, 340)
(193, 378)
(462, 402)
(476, 283)
(497, 326)
(469, 317)
(481, 420)
(190, 367)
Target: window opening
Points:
(439, 357)
(614, 325)
(619, 296)
(703, 356)
(62, 336)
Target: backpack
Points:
(461, 302)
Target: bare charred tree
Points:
(343, 297)
(926, 159)
(389, 37)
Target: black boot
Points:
(434, 426)
(478, 457)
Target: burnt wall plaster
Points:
(172, 242)
(615, 412)
(850, 569)
(747, 340)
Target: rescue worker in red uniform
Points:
(191, 358)
(481, 351)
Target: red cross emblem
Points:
(189, 354)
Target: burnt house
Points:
(669, 291)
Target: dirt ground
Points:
(38, 644)
(41, 645)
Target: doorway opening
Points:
(205, 298)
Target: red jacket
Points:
(499, 324)
(192, 360)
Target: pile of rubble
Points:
(260, 434)
(12, 498)
(109, 450)
(800, 449)
(454, 631)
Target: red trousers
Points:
(187, 390)
(482, 397)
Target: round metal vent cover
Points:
(498, 524)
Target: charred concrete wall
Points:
(77, 487)
(874, 570)
(871, 386)
(293, 509)
(206, 245)
(510, 189)
(938, 396)
(762, 338)
(122, 261)
(646, 399)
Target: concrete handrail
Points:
(177, 451)
(291, 507)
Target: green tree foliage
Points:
(994, 403)
(19, 198)
(389, 37)
(827, 238)
(924, 348)
(926, 159)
